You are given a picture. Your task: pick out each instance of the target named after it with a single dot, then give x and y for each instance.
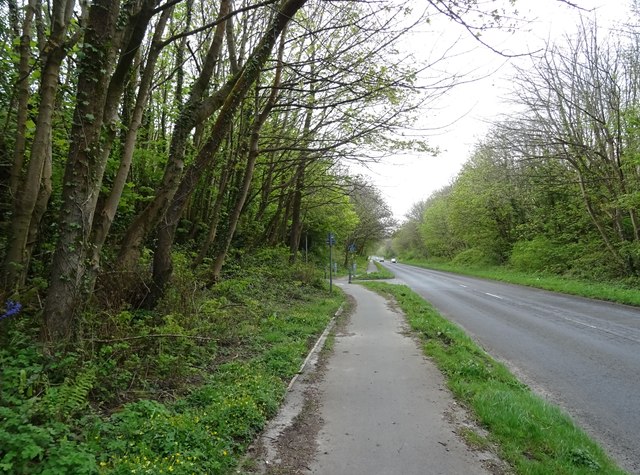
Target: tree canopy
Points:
(132, 129)
(553, 187)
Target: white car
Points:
(393, 260)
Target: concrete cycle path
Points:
(372, 405)
(384, 405)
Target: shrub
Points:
(202, 433)
(36, 434)
(223, 353)
(474, 258)
(539, 255)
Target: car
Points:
(382, 259)
(393, 260)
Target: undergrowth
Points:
(179, 390)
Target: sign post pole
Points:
(352, 250)
(331, 240)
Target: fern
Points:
(71, 396)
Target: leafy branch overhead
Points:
(133, 128)
(141, 126)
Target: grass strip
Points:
(381, 273)
(532, 435)
(613, 292)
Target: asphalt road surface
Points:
(579, 353)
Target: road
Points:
(581, 354)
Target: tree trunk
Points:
(296, 212)
(103, 221)
(296, 205)
(41, 203)
(254, 151)
(16, 262)
(190, 116)
(271, 236)
(594, 219)
(22, 86)
(249, 75)
(215, 214)
(83, 172)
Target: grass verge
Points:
(380, 273)
(613, 292)
(533, 436)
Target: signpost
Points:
(331, 240)
(352, 250)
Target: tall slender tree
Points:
(33, 191)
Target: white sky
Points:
(463, 117)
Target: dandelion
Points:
(11, 308)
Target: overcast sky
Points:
(463, 116)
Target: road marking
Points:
(463, 286)
(493, 295)
(604, 330)
(582, 323)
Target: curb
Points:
(319, 344)
(290, 407)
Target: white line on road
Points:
(464, 286)
(595, 327)
(582, 323)
(493, 295)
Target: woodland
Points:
(554, 187)
(133, 126)
(170, 170)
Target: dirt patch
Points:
(477, 439)
(294, 448)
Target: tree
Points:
(579, 108)
(141, 128)
(375, 218)
(242, 83)
(407, 240)
(198, 108)
(33, 191)
(484, 210)
(108, 53)
(439, 238)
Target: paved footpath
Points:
(384, 404)
(379, 407)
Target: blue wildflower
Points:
(11, 308)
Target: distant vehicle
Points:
(382, 259)
(393, 260)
